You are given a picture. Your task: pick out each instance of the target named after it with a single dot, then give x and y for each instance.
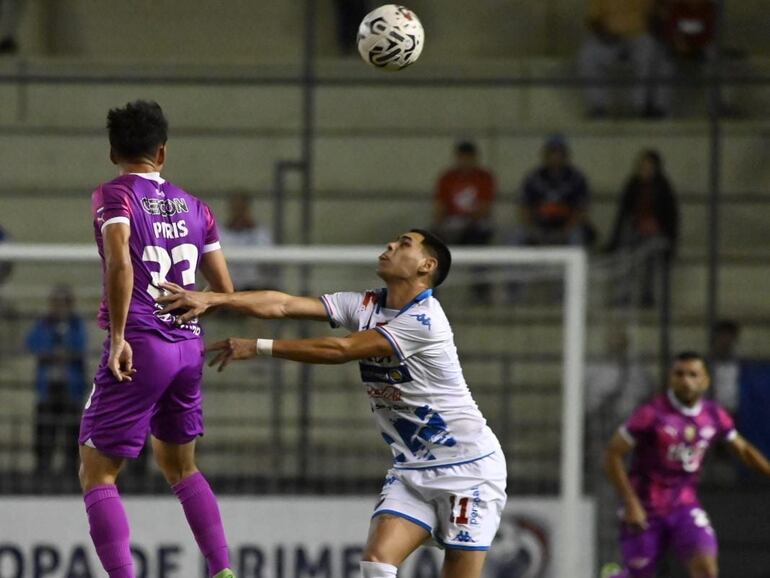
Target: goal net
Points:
(519, 319)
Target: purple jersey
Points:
(670, 442)
(170, 230)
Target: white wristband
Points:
(265, 347)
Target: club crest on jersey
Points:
(690, 456)
(422, 318)
(690, 432)
(164, 207)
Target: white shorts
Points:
(460, 505)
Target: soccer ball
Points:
(390, 37)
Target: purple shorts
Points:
(163, 398)
(686, 529)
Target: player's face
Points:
(689, 380)
(403, 258)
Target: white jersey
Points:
(418, 396)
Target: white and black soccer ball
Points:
(390, 37)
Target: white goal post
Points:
(575, 275)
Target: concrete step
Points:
(386, 161)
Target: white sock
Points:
(377, 570)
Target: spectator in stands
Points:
(648, 215)
(622, 30)
(58, 340)
(554, 201)
(688, 27)
(243, 230)
(349, 15)
(688, 31)
(616, 382)
(464, 197)
(463, 204)
(10, 11)
(725, 365)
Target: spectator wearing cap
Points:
(58, 341)
(554, 201)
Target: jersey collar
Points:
(682, 408)
(422, 295)
(151, 177)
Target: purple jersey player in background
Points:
(148, 231)
(669, 437)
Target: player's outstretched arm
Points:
(119, 281)
(749, 454)
(634, 514)
(216, 273)
(325, 350)
(262, 304)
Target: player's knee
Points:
(177, 472)
(91, 477)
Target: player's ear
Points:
(428, 265)
(160, 157)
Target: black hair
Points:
(137, 130)
(437, 249)
(655, 157)
(726, 326)
(466, 147)
(691, 356)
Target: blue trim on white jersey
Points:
(328, 308)
(429, 467)
(398, 514)
(423, 295)
(396, 349)
(471, 548)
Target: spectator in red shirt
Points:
(464, 197)
(688, 27)
(463, 206)
(687, 30)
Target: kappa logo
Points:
(422, 318)
(464, 537)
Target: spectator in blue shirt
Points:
(554, 201)
(58, 340)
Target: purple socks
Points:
(202, 512)
(109, 530)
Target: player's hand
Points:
(231, 349)
(176, 297)
(121, 360)
(635, 517)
